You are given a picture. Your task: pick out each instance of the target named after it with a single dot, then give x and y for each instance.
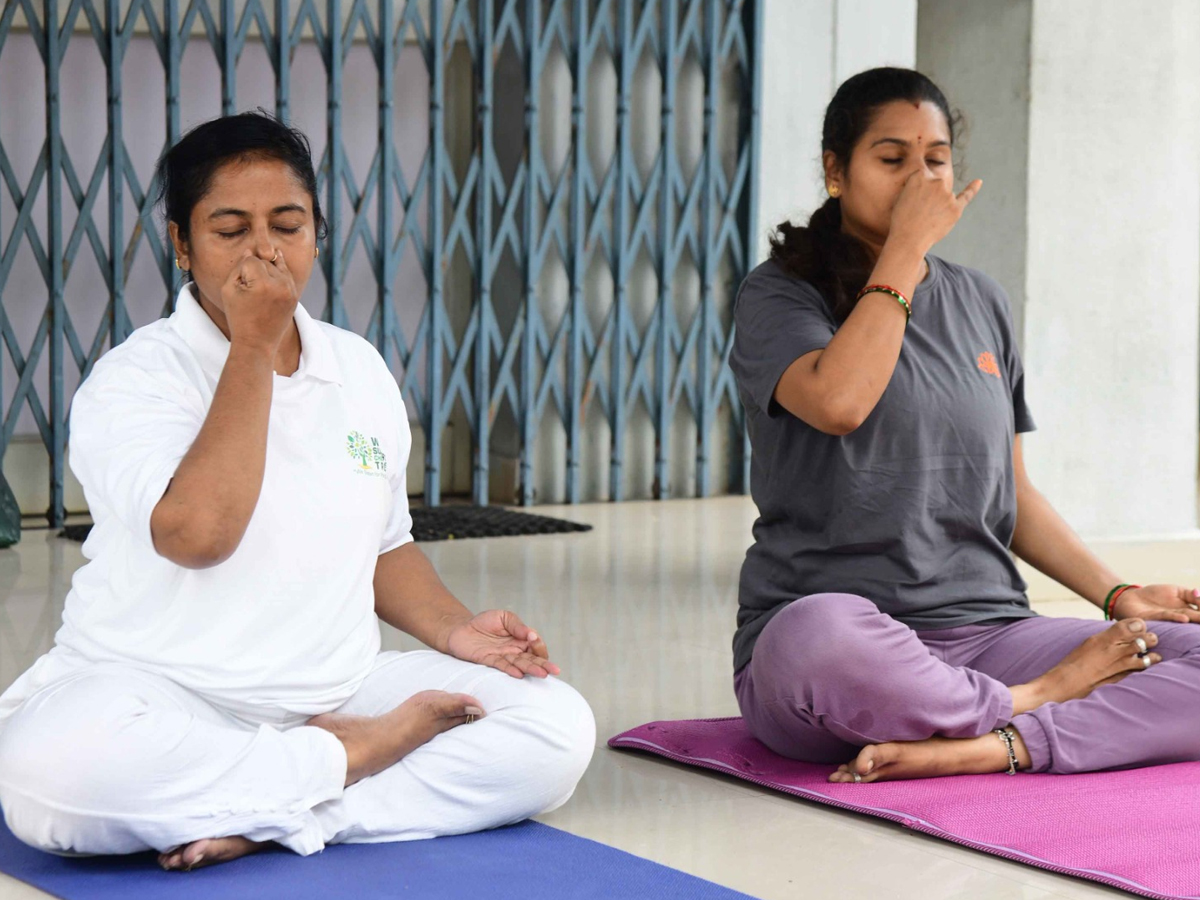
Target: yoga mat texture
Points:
(519, 862)
(1135, 830)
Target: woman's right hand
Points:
(260, 300)
(928, 209)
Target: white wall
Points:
(1113, 290)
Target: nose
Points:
(263, 248)
(922, 167)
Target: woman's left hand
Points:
(1162, 602)
(498, 638)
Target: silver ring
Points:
(1194, 606)
(1145, 661)
(1141, 645)
(470, 719)
(857, 778)
(276, 256)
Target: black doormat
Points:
(448, 523)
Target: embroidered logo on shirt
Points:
(367, 453)
(987, 362)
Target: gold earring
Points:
(834, 191)
(316, 252)
(177, 265)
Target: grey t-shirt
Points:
(913, 510)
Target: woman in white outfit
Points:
(217, 682)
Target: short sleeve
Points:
(1013, 366)
(778, 319)
(1021, 414)
(130, 429)
(398, 530)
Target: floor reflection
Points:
(34, 578)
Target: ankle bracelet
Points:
(1007, 736)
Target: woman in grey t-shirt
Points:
(882, 622)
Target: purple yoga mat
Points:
(1135, 830)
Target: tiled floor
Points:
(639, 613)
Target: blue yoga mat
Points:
(519, 862)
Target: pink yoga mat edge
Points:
(633, 740)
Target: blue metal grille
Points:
(483, 200)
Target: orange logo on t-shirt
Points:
(987, 363)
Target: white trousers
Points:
(113, 759)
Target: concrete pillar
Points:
(810, 47)
(978, 53)
(1096, 232)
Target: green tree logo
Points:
(367, 453)
(357, 447)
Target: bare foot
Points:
(1103, 658)
(207, 852)
(375, 742)
(932, 758)
(372, 744)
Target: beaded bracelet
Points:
(884, 289)
(1111, 600)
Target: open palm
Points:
(498, 638)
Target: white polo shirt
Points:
(286, 625)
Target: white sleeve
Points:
(130, 429)
(398, 531)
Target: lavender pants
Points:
(830, 674)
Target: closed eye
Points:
(232, 234)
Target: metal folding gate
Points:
(696, 215)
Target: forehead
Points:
(909, 121)
(252, 182)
